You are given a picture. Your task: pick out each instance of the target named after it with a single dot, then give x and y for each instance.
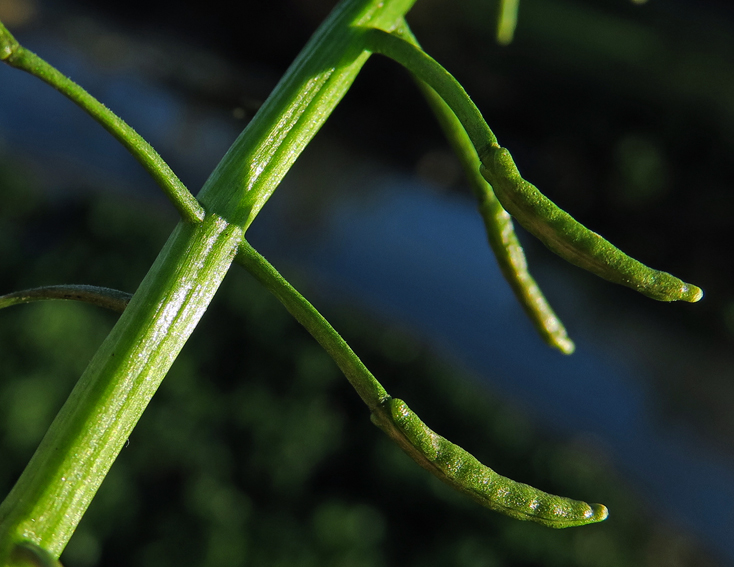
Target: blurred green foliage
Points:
(256, 451)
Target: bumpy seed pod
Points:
(571, 240)
(464, 472)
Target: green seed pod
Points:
(571, 240)
(462, 471)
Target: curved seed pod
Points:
(462, 471)
(500, 231)
(404, 48)
(571, 240)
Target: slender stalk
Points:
(439, 456)
(498, 223)
(100, 296)
(363, 381)
(507, 21)
(15, 55)
(428, 70)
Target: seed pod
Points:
(571, 240)
(462, 471)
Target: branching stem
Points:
(52, 494)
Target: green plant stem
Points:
(313, 85)
(15, 55)
(366, 385)
(428, 70)
(498, 223)
(56, 487)
(507, 21)
(100, 296)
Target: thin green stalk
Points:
(498, 224)
(366, 385)
(507, 21)
(100, 296)
(15, 55)
(439, 79)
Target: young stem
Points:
(15, 55)
(313, 85)
(366, 385)
(428, 70)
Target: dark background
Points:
(255, 452)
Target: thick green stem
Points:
(55, 489)
(315, 83)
